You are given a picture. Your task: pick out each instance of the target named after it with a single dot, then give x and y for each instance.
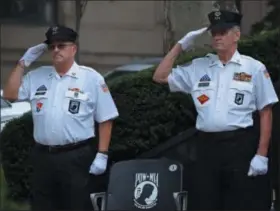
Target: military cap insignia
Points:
(54, 30)
(217, 15)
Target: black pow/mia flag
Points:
(239, 98)
(74, 106)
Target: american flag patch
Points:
(266, 74)
(205, 78)
(104, 87)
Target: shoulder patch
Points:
(266, 73)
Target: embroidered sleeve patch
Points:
(104, 87)
(266, 73)
(203, 99)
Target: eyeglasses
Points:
(59, 46)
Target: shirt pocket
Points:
(39, 104)
(240, 94)
(76, 103)
(203, 93)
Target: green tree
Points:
(270, 21)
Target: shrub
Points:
(149, 115)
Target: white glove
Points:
(189, 38)
(99, 164)
(258, 166)
(33, 53)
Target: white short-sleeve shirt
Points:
(65, 109)
(225, 96)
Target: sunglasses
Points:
(59, 46)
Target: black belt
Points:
(224, 134)
(63, 148)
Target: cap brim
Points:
(221, 26)
(58, 39)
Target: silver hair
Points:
(236, 29)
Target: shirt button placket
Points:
(55, 111)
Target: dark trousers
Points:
(219, 179)
(60, 180)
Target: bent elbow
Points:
(155, 78)
(159, 80)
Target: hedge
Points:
(149, 115)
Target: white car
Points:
(12, 110)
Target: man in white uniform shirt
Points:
(230, 172)
(66, 100)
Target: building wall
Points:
(115, 32)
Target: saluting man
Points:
(66, 100)
(230, 172)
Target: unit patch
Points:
(41, 90)
(39, 106)
(203, 99)
(204, 81)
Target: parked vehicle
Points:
(11, 110)
(132, 67)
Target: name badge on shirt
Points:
(76, 94)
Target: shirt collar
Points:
(72, 72)
(214, 59)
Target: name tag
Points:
(76, 95)
(203, 84)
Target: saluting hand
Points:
(258, 166)
(189, 38)
(33, 53)
(99, 164)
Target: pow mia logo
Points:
(146, 190)
(74, 106)
(239, 98)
